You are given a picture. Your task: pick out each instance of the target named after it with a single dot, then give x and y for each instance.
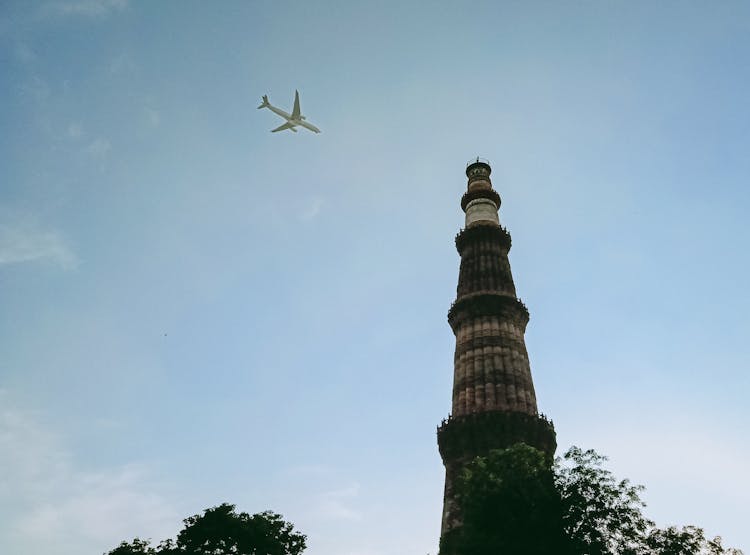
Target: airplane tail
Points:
(265, 103)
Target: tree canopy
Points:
(601, 515)
(510, 505)
(222, 531)
(516, 501)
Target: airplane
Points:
(292, 120)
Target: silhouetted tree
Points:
(222, 531)
(136, 547)
(689, 540)
(602, 516)
(515, 501)
(509, 505)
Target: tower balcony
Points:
(488, 303)
(474, 435)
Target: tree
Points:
(689, 540)
(222, 531)
(602, 516)
(516, 501)
(136, 547)
(509, 505)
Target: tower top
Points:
(478, 166)
(479, 194)
(477, 160)
(478, 171)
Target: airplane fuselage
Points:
(292, 120)
(279, 112)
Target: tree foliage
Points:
(516, 501)
(136, 547)
(688, 540)
(601, 514)
(509, 505)
(222, 531)
(604, 516)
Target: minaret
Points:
(494, 405)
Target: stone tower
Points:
(494, 405)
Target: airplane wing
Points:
(287, 125)
(295, 111)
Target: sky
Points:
(194, 310)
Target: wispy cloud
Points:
(98, 148)
(24, 54)
(312, 209)
(704, 448)
(75, 130)
(25, 465)
(153, 117)
(86, 8)
(327, 499)
(57, 508)
(35, 88)
(104, 508)
(122, 64)
(26, 242)
(310, 471)
(336, 504)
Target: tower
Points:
(494, 405)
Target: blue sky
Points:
(194, 310)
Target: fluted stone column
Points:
(494, 404)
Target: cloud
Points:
(87, 8)
(313, 471)
(153, 117)
(47, 505)
(717, 463)
(327, 502)
(122, 64)
(36, 88)
(75, 130)
(25, 464)
(24, 53)
(335, 504)
(312, 210)
(98, 148)
(25, 242)
(104, 507)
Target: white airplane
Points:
(292, 120)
